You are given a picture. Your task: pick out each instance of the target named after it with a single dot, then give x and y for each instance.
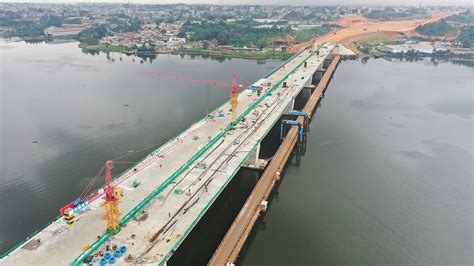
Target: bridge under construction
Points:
(160, 200)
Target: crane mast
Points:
(234, 95)
(112, 198)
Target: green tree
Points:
(49, 20)
(93, 35)
(437, 28)
(467, 36)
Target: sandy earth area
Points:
(356, 28)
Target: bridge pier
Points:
(327, 62)
(317, 76)
(253, 161)
(306, 92)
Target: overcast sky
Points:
(274, 2)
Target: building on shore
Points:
(405, 48)
(56, 31)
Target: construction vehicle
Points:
(257, 88)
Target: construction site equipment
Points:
(73, 207)
(234, 95)
(284, 129)
(113, 196)
(69, 216)
(136, 183)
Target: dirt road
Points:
(358, 25)
(358, 28)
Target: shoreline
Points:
(244, 55)
(259, 55)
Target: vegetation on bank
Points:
(390, 13)
(104, 48)
(247, 32)
(235, 54)
(437, 28)
(26, 28)
(116, 23)
(307, 34)
(238, 33)
(462, 25)
(467, 36)
(92, 35)
(466, 17)
(366, 46)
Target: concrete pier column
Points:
(309, 82)
(317, 76)
(306, 93)
(252, 160)
(327, 62)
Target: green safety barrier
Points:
(79, 260)
(284, 63)
(176, 245)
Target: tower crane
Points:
(113, 196)
(234, 87)
(234, 95)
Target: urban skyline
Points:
(267, 2)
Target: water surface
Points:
(64, 112)
(388, 173)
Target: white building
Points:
(55, 31)
(405, 48)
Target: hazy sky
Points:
(275, 2)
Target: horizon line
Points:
(157, 2)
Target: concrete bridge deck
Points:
(179, 181)
(230, 247)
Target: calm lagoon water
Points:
(387, 177)
(64, 112)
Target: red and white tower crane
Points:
(113, 196)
